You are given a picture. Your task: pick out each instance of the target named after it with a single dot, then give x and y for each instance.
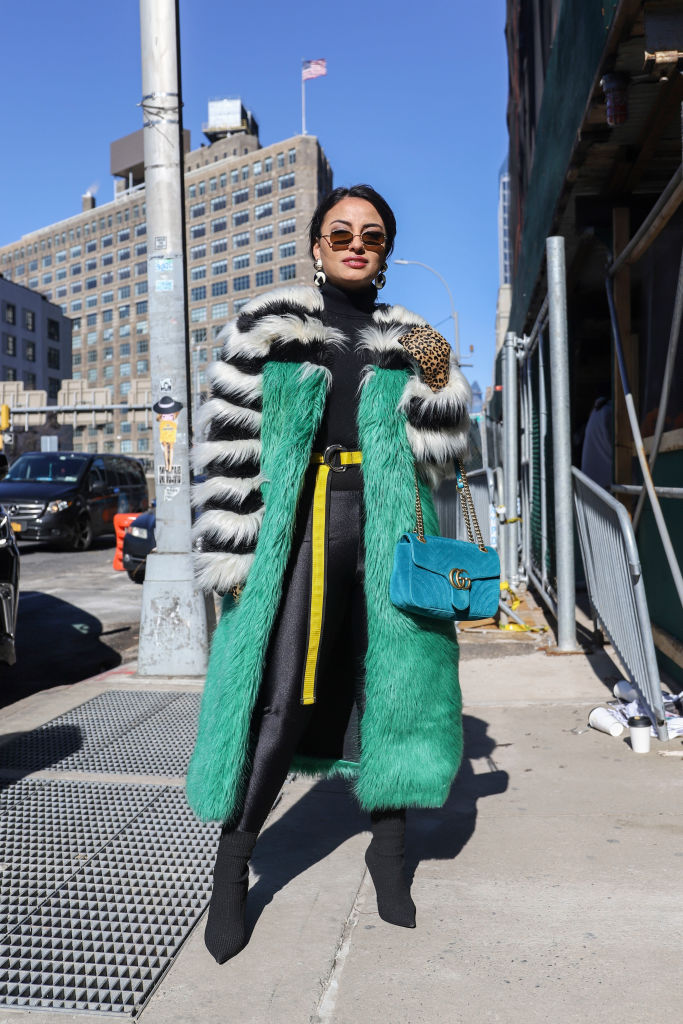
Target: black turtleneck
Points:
(348, 312)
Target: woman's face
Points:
(353, 266)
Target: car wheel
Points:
(136, 576)
(82, 535)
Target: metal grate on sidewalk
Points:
(149, 733)
(100, 884)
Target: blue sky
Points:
(413, 103)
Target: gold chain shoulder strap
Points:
(466, 504)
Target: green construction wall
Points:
(575, 60)
(662, 598)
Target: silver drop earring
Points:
(320, 276)
(380, 279)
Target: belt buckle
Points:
(329, 451)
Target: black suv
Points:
(71, 497)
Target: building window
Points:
(29, 380)
(124, 293)
(288, 227)
(29, 320)
(106, 241)
(263, 188)
(141, 308)
(239, 304)
(286, 203)
(198, 272)
(142, 346)
(268, 164)
(9, 373)
(219, 203)
(262, 234)
(124, 370)
(198, 314)
(281, 159)
(141, 327)
(287, 249)
(53, 386)
(234, 176)
(140, 230)
(245, 172)
(123, 235)
(126, 446)
(91, 320)
(198, 252)
(240, 262)
(219, 245)
(47, 279)
(143, 444)
(213, 184)
(76, 305)
(107, 316)
(192, 192)
(123, 254)
(240, 240)
(124, 350)
(76, 359)
(92, 356)
(91, 337)
(140, 248)
(141, 287)
(61, 274)
(197, 294)
(241, 195)
(10, 345)
(108, 353)
(90, 265)
(197, 231)
(74, 253)
(91, 246)
(223, 180)
(199, 335)
(285, 181)
(197, 210)
(123, 391)
(53, 358)
(240, 284)
(288, 272)
(61, 292)
(291, 154)
(239, 218)
(257, 167)
(124, 311)
(30, 351)
(263, 210)
(124, 330)
(221, 266)
(219, 311)
(219, 288)
(264, 255)
(264, 277)
(220, 224)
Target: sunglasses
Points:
(341, 239)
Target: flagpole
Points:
(303, 102)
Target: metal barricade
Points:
(616, 589)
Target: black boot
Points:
(384, 858)
(225, 933)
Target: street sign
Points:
(8, 437)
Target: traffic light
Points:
(4, 417)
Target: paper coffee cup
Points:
(639, 732)
(604, 721)
(624, 691)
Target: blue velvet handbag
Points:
(444, 578)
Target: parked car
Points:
(70, 497)
(9, 581)
(138, 541)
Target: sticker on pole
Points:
(167, 410)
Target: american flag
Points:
(313, 69)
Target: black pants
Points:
(281, 724)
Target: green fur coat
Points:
(268, 396)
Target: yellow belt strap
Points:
(319, 565)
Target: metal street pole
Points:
(174, 633)
(562, 447)
(510, 459)
(454, 315)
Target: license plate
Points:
(17, 527)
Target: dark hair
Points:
(355, 192)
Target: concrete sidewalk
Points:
(547, 888)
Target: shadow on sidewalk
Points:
(327, 815)
(22, 753)
(57, 643)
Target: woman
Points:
(322, 405)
